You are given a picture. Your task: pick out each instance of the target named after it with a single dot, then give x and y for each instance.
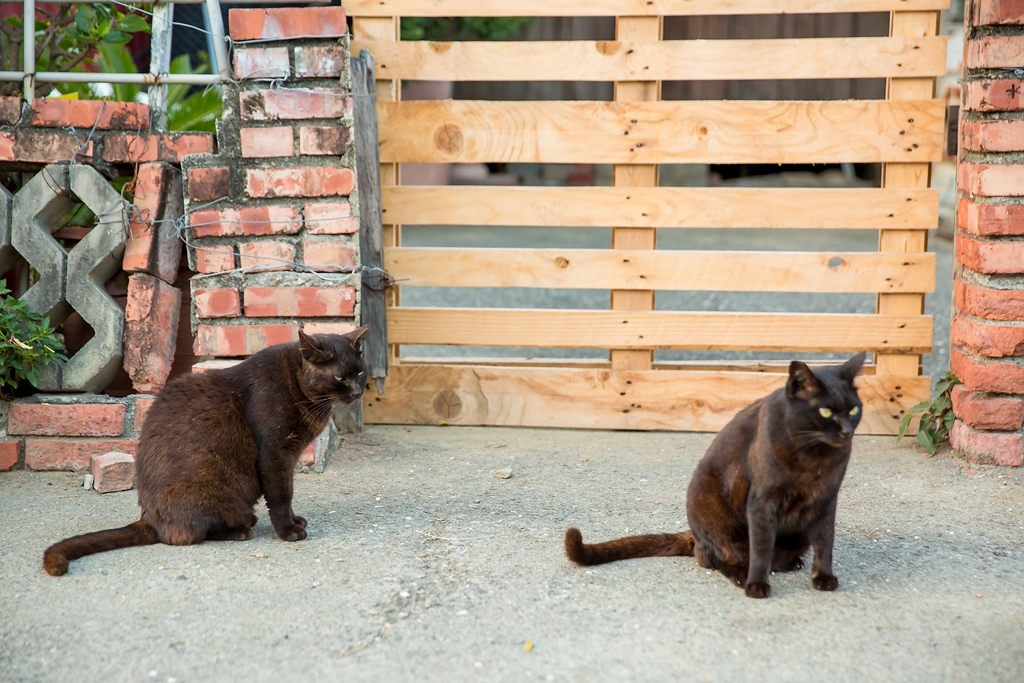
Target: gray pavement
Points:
(421, 565)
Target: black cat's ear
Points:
(850, 368)
(313, 350)
(355, 335)
(802, 383)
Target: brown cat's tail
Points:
(647, 545)
(58, 555)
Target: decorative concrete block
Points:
(8, 254)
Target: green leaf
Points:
(904, 423)
(925, 438)
(85, 19)
(117, 37)
(132, 23)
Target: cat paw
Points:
(758, 589)
(825, 582)
(291, 533)
(299, 521)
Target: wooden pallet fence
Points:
(637, 133)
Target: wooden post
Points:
(635, 175)
(374, 280)
(903, 175)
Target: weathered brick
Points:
(993, 52)
(316, 61)
(207, 184)
(66, 419)
(150, 331)
(142, 407)
(321, 327)
(261, 62)
(990, 376)
(328, 257)
(112, 471)
(991, 180)
(992, 340)
(286, 105)
(280, 22)
(71, 454)
(275, 141)
(988, 411)
(10, 110)
(316, 449)
(985, 302)
(992, 136)
(987, 448)
(10, 452)
(153, 245)
(989, 256)
(239, 340)
(330, 218)
(989, 220)
(39, 147)
(993, 95)
(307, 302)
(215, 259)
(314, 181)
(266, 255)
(251, 220)
(85, 114)
(216, 364)
(217, 303)
(131, 148)
(324, 140)
(992, 12)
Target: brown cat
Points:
(766, 489)
(214, 442)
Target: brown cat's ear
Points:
(313, 350)
(850, 368)
(355, 335)
(802, 383)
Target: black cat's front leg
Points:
(276, 479)
(822, 537)
(762, 529)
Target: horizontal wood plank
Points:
(630, 8)
(730, 271)
(663, 207)
(681, 60)
(587, 398)
(798, 332)
(863, 131)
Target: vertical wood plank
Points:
(385, 28)
(635, 175)
(906, 176)
(373, 281)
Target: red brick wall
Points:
(987, 332)
(272, 235)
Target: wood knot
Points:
(447, 404)
(448, 139)
(562, 262)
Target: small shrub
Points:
(936, 416)
(27, 343)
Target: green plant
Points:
(460, 28)
(27, 342)
(67, 37)
(936, 416)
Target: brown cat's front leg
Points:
(276, 480)
(823, 536)
(761, 524)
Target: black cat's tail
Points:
(58, 555)
(647, 545)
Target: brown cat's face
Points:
(333, 370)
(824, 406)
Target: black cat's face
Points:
(824, 405)
(333, 369)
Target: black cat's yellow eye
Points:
(854, 410)
(825, 412)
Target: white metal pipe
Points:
(220, 47)
(28, 62)
(139, 79)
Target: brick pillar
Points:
(270, 215)
(988, 308)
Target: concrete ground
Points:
(422, 565)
